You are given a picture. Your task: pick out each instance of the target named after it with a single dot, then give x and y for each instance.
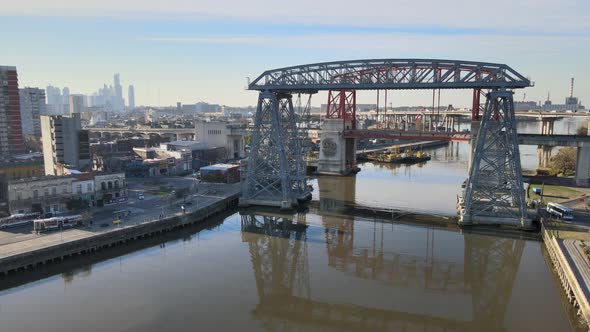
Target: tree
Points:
(564, 162)
(583, 130)
(33, 144)
(182, 193)
(75, 204)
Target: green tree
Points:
(564, 162)
(75, 204)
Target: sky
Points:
(204, 50)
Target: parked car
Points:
(140, 196)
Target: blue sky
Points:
(189, 51)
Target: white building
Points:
(221, 134)
(83, 187)
(32, 106)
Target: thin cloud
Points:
(568, 16)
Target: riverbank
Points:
(566, 245)
(38, 250)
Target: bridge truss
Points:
(275, 171)
(272, 178)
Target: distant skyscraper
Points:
(76, 104)
(66, 95)
(131, 96)
(119, 103)
(32, 106)
(53, 95)
(11, 133)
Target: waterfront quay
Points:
(567, 247)
(21, 249)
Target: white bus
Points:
(560, 211)
(56, 223)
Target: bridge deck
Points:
(523, 139)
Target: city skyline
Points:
(184, 52)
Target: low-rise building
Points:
(222, 134)
(48, 194)
(110, 188)
(83, 187)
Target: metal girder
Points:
(342, 105)
(494, 192)
(275, 170)
(477, 109)
(391, 74)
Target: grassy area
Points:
(153, 183)
(553, 193)
(163, 190)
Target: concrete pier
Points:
(337, 153)
(573, 270)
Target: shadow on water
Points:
(81, 265)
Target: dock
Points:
(406, 146)
(312, 164)
(32, 251)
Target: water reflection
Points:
(432, 285)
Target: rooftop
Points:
(218, 167)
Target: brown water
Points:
(316, 271)
(266, 272)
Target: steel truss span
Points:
(390, 74)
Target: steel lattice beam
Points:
(390, 74)
(494, 193)
(275, 170)
(342, 105)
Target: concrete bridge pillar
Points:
(337, 154)
(583, 166)
(547, 125)
(544, 154)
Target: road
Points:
(18, 239)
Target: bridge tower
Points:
(494, 193)
(275, 171)
(337, 153)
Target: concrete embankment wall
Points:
(567, 277)
(89, 244)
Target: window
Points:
(53, 191)
(103, 186)
(35, 193)
(18, 196)
(64, 190)
(116, 184)
(46, 192)
(89, 187)
(79, 188)
(110, 185)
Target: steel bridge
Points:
(275, 168)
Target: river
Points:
(316, 270)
